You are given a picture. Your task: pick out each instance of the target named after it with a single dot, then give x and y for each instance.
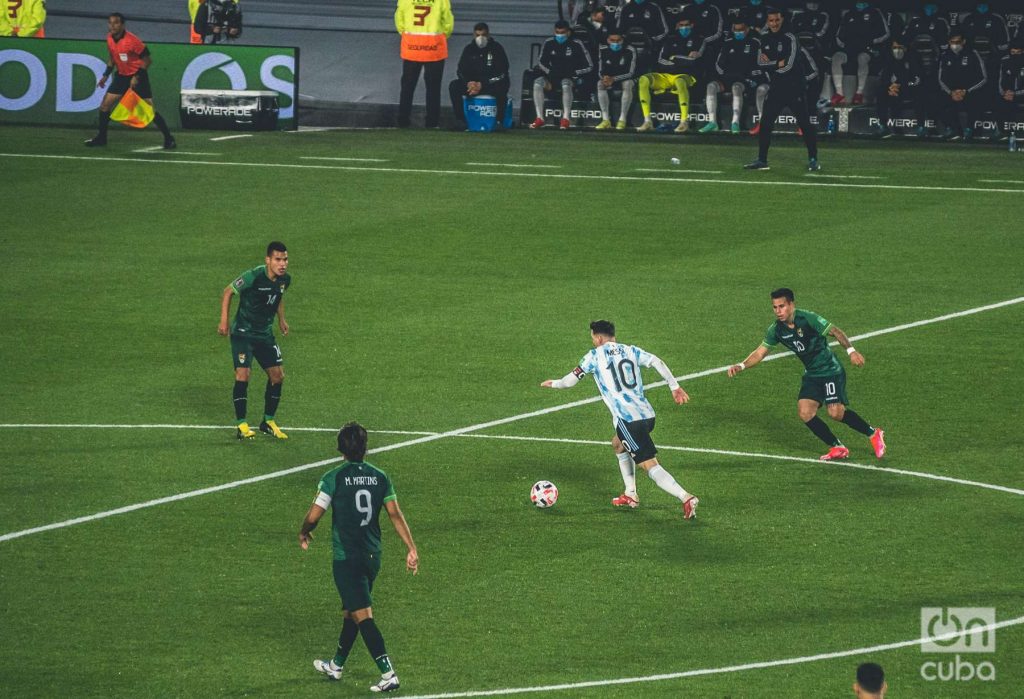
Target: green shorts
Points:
(826, 390)
(243, 349)
(354, 579)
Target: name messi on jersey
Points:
(360, 480)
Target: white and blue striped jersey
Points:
(616, 370)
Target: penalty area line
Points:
(800, 660)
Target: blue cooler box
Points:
(482, 112)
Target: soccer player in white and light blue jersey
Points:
(616, 371)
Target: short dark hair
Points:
(783, 293)
(603, 327)
(481, 27)
(276, 246)
(772, 11)
(352, 441)
(562, 24)
(119, 16)
(870, 677)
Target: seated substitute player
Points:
(677, 69)
(357, 491)
(130, 58)
(565, 64)
(736, 70)
(260, 294)
(616, 71)
(615, 367)
(805, 334)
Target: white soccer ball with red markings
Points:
(544, 494)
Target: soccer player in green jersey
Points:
(824, 381)
(260, 294)
(356, 491)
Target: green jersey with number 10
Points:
(808, 340)
(357, 492)
(258, 299)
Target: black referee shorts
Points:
(120, 84)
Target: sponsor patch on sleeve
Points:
(238, 283)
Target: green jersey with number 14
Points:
(258, 299)
(808, 340)
(357, 492)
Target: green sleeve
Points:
(818, 323)
(243, 282)
(327, 484)
(770, 338)
(390, 494)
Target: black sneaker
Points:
(813, 166)
(757, 165)
(95, 142)
(170, 143)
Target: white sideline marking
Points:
(357, 160)
(314, 129)
(675, 170)
(454, 433)
(553, 175)
(847, 177)
(1003, 181)
(554, 167)
(757, 455)
(728, 668)
(63, 425)
(161, 150)
(228, 138)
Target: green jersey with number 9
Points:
(356, 492)
(808, 340)
(258, 299)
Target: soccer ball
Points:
(544, 494)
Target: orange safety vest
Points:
(425, 26)
(424, 47)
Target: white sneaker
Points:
(328, 668)
(648, 125)
(387, 683)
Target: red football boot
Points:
(690, 507)
(878, 442)
(836, 453)
(538, 123)
(626, 501)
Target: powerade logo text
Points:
(221, 111)
(484, 110)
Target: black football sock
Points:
(104, 123)
(375, 644)
(271, 397)
(349, 631)
(240, 394)
(857, 422)
(162, 125)
(821, 431)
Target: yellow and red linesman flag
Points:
(133, 111)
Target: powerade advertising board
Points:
(53, 81)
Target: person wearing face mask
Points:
(564, 65)
(786, 65)
(679, 66)
(707, 21)
(483, 70)
(861, 31)
(902, 82)
(644, 15)
(1010, 100)
(815, 24)
(736, 71)
(962, 79)
(592, 28)
(756, 14)
(616, 72)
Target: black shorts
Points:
(636, 437)
(354, 579)
(120, 84)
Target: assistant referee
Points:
(130, 58)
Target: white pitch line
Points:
(551, 175)
(454, 433)
(728, 668)
(777, 457)
(1003, 181)
(356, 160)
(159, 150)
(677, 170)
(228, 138)
(847, 177)
(554, 167)
(64, 425)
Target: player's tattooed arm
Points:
(856, 358)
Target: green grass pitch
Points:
(431, 294)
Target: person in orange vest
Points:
(194, 37)
(24, 18)
(425, 26)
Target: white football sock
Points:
(711, 101)
(737, 103)
(628, 469)
(666, 482)
(566, 98)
